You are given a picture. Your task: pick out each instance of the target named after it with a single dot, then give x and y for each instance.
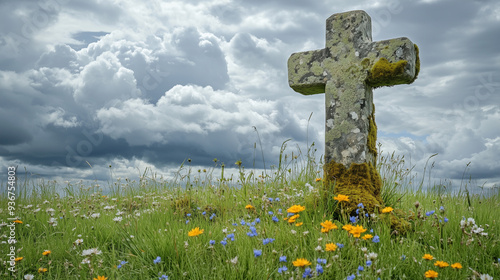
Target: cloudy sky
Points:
(136, 84)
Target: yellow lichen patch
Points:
(385, 73)
(372, 135)
(361, 182)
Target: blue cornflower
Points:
(371, 230)
(211, 242)
(376, 239)
(157, 260)
(164, 277)
(275, 219)
(366, 215)
(319, 269)
(204, 212)
(270, 212)
(353, 219)
(257, 253)
(361, 268)
(242, 222)
(357, 211)
(252, 224)
(277, 199)
(351, 277)
(360, 205)
(441, 209)
(290, 214)
(283, 259)
(257, 220)
(403, 257)
(368, 263)
(235, 224)
(230, 236)
(251, 234)
(429, 213)
(340, 245)
(188, 214)
(121, 263)
(307, 273)
(187, 221)
(212, 216)
(323, 261)
(279, 210)
(445, 219)
(270, 200)
(223, 242)
(281, 269)
(268, 240)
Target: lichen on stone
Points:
(372, 135)
(385, 73)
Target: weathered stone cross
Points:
(346, 70)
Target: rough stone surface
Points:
(346, 70)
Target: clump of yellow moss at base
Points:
(362, 183)
(384, 73)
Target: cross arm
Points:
(306, 75)
(396, 62)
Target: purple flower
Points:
(429, 213)
(257, 253)
(376, 239)
(319, 268)
(323, 261)
(268, 240)
(307, 273)
(281, 269)
(211, 242)
(257, 220)
(270, 212)
(223, 242)
(361, 268)
(157, 260)
(275, 219)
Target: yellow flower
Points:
(292, 219)
(387, 210)
(431, 274)
(441, 264)
(46, 252)
(331, 247)
(327, 226)
(428, 257)
(41, 269)
(347, 227)
(318, 179)
(195, 232)
(18, 259)
(367, 236)
(101, 278)
(341, 197)
(301, 262)
(18, 221)
(357, 231)
(296, 209)
(456, 265)
(249, 207)
(298, 224)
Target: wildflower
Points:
(283, 259)
(368, 263)
(17, 221)
(268, 240)
(319, 269)
(340, 245)
(282, 269)
(330, 247)
(46, 252)
(296, 209)
(318, 179)
(164, 277)
(307, 273)
(234, 260)
(41, 270)
(231, 236)
(367, 236)
(223, 242)
(323, 261)
(257, 253)
(456, 266)
(357, 230)
(301, 262)
(441, 264)
(376, 239)
(157, 260)
(275, 219)
(341, 198)
(212, 216)
(293, 231)
(292, 219)
(95, 216)
(18, 259)
(445, 219)
(347, 227)
(372, 256)
(29, 277)
(257, 220)
(298, 224)
(327, 226)
(485, 277)
(351, 277)
(428, 257)
(353, 219)
(361, 268)
(403, 257)
(270, 213)
(249, 207)
(211, 242)
(101, 278)
(387, 210)
(195, 232)
(431, 274)
(319, 249)
(117, 219)
(360, 205)
(429, 213)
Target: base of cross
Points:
(362, 184)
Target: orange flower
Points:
(292, 219)
(41, 269)
(195, 232)
(341, 198)
(387, 210)
(431, 274)
(347, 227)
(101, 278)
(18, 221)
(330, 247)
(301, 262)
(327, 226)
(298, 224)
(428, 257)
(456, 265)
(441, 264)
(18, 259)
(357, 231)
(296, 209)
(367, 236)
(46, 252)
(318, 179)
(249, 207)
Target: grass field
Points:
(202, 225)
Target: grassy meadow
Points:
(203, 224)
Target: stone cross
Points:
(346, 70)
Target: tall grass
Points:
(140, 229)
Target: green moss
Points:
(385, 73)
(361, 182)
(372, 134)
(417, 63)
